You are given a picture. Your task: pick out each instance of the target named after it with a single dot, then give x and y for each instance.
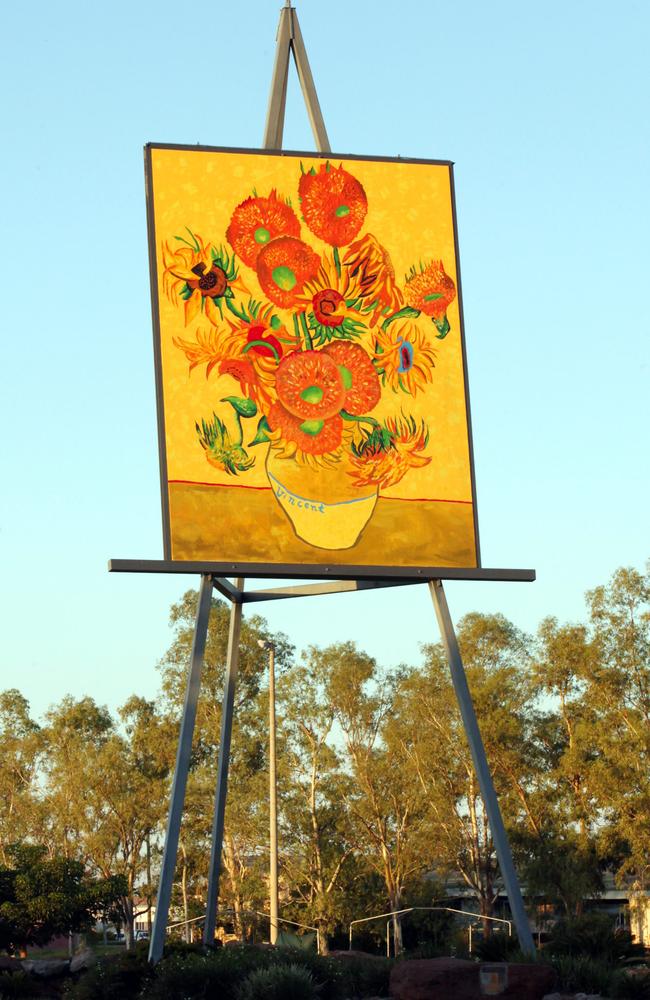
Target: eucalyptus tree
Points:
(560, 847)
(386, 808)
(428, 727)
(318, 856)
(20, 745)
(104, 792)
(246, 820)
(617, 689)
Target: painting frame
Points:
(288, 568)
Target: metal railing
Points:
(427, 909)
(250, 913)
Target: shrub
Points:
(496, 948)
(279, 982)
(189, 974)
(115, 977)
(593, 935)
(582, 973)
(631, 985)
(363, 977)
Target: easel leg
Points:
(481, 767)
(180, 774)
(214, 875)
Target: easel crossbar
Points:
(314, 571)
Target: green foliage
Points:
(41, 897)
(497, 947)
(592, 936)
(118, 977)
(631, 985)
(187, 973)
(364, 977)
(280, 982)
(581, 973)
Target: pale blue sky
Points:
(543, 108)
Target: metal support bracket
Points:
(227, 712)
(181, 771)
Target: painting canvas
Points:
(311, 376)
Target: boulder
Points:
(520, 981)
(46, 968)
(83, 960)
(434, 979)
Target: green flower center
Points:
(312, 394)
(312, 427)
(346, 376)
(261, 235)
(342, 211)
(284, 277)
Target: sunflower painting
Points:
(310, 360)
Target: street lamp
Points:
(273, 798)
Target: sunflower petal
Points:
(192, 307)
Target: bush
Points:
(631, 985)
(115, 977)
(592, 935)
(279, 982)
(364, 977)
(189, 974)
(497, 948)
(581, 973)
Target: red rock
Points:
(528, 981)
(434, 979)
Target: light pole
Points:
(273, 799)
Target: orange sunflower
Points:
(283, 267)
(245, 351)
(361, 382)
(368, 263)
(312, 436)
(201, 275)
(257, 221)
(333, 203)
(430, 290)
(332, 300)
(385, 455)
(403, 357)
(310, 385)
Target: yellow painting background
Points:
(410, 213)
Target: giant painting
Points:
(312, 385)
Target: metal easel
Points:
(215, 576)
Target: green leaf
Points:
(276, 322)
(245, 407)
(442, 326)
(262, 434)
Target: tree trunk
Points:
(187, 934)
(129, 934)
(149, 884)
(232, 868)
